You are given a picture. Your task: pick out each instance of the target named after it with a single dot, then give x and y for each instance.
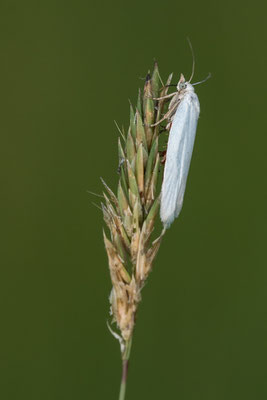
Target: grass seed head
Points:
(131, 215)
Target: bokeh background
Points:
(67, 70)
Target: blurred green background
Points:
(67, 69)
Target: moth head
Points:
(183, 85)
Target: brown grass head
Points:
(130, 215)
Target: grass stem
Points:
(125, 366)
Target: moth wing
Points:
(178, 157)
(172, 170)
(186, 153)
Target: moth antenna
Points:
(193, 59)
(204, 80)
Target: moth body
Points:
(182, 118)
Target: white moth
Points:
(182, 119)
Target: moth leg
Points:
(168, 126)
(167, 115)
(163, 155)
(162, 119)
(165, 97)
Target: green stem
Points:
(125, 365)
